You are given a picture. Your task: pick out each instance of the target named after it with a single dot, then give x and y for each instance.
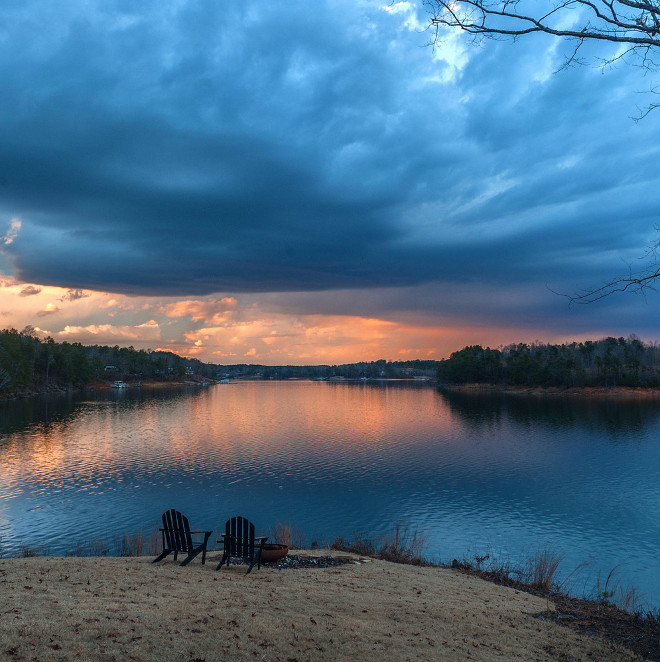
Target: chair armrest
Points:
(207, 534)
(259, 540)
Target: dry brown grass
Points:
(29, 552)
(613, 593)
(617, 614)
(630, 600)
(127, 608)
(403, 544)
(286, 534)
(542, 571)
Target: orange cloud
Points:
(279, 339)
(48, 310)
(109, 334)
(209, 312)
(235, 332)
(114, 303)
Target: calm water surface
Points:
(504, 475)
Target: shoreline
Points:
(94, 386)
(632, 392)
(99, 608)
(641, 392)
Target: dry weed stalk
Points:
(630, 600)
(543, 569)
(287, 534)
(401, 545)
(404, 545)
(130, 545)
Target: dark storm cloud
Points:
(188, 148)
(29, 291)
(74, 295)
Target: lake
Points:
(504, 475)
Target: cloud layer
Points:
(196, 151)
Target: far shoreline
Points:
(589, 392)
(640, 392)
(106, 386)
(58, 391)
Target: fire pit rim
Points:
(273, 551)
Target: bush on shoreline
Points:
(402, 544)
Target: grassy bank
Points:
(106, 609)
(613, 612)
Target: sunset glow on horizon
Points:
(231, 330)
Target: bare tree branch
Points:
(616, 21)
(640, 282)
(632, 23)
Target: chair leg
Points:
(163, 554)
(191, 556)
(222, 560)
(207, 535)
(255, 559)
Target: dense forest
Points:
(28, 364)
(608, 362)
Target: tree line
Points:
(608, 362)
(380, 369)
(29, 363)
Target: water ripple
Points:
(336, 459)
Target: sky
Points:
(306, 183)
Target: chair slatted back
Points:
(240, 537)
(177, 531)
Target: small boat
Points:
(118, 383)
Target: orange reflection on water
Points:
(220, 431)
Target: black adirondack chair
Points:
(177, 537)
(240, 542)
